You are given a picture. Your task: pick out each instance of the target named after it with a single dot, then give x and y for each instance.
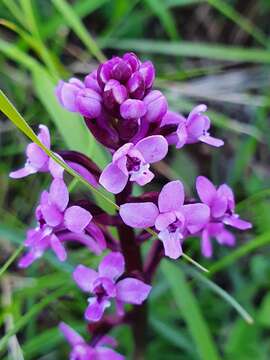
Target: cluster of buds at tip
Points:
(132, 120)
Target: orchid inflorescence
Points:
(133, 122)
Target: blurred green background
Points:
(215, 52)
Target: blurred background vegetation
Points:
(205, 51)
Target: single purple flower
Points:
(132, 162)
(83, 351)
(222, 210)
(54, 217)
(192, 129)
(171, 217)
(105, 285)
(37, 159)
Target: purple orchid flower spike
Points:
(58, 223)
(171, 217)
(83, 351)
(222, 206)
(132, 162)
(37, 159)
(105, 285)
(191, 130)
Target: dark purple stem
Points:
(133, 259)
(153, 259)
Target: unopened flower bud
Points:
(114, 93)
(90, 82)
(121, 71)
(66, 93)
(132, 60)
(132, 109)
(148, 73)
(136, 85)
(156, 105)
(88, 103)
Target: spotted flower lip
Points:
(54, 217)
(81, 350)
(37, 159)
(132, 162)
(171, 217)
(192, 129)
(105, 285)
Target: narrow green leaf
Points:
(190, 311)
(77, 26)
(10, 260)
(223, 294)
(241, 251)
(193, 49)
(244, 23)
(160, 10)
(36, 309)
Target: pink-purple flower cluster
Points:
(133, 122)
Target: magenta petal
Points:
(112, 265)
(108, 354)
(58, 248)
(225, 237)
(71, 335)
(113, 179)
(206, 245)
(28, 259)
(132, 291)
(219, 206)
(164, 220)
(182, 135)
(139, 215)
(97, 234)
(226, 191)
(84, 277)
(36, 156)
(196, 216)
(67, 96)
(95, 309)
(205, 189)
(172, 244)
(51, 214)
(171, 197)
(25, 171)
(76, 218)
(237, 223)
(207, 139)
(56, 170)
(58, 194)
(153, 148)
(172, 118)
(44, 136)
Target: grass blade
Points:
(193, 49)
(77, 26)
(160, 10)
(241, 251)
(224, 295)
(36, 309)
(244, 23)
(11, 259)
(188, 305)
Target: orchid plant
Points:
(133, 122)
